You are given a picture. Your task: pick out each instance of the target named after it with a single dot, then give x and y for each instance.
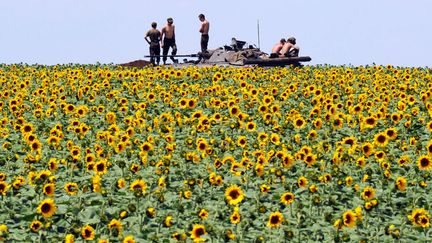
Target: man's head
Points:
(201, 17)
(154, 24)
(283, 41)
(170, 20)
(292, 40)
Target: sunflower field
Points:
(105, 153)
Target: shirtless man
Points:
(204, 30)
(277, 48)
(153, 37)
(290, 49)
(168, 40)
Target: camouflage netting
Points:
(234, 57)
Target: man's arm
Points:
(201, 30)
(162, 36)
(146, 37)
(173, 27)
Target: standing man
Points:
(155, 36)
(168, 40)
(204, 30)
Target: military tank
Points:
(237, 54)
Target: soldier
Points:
(153, 37)
(168, 40)
(290, 49)
(204, 30)
(277, 48)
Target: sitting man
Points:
(290, 49)
(275, 52)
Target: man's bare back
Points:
(286, 48)
(277, 48)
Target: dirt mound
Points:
(136, 63)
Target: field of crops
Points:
(215, 154)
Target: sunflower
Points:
(391, 133)
(368, 193)
(234, 195)
(350, 141)
(53, 140)
(3, 187)
(49, 189)
(429, 147)
(424, 162)
(234, 111)
(75, 152)
(191, 103)
(146, 147)
(129, 239)
(275, 220)
(429, 126)
(52, 164)
(69, 238)
(367, 149)
(361, 162)
(27, 128)
(275, 139)
(299, 122)
(115, 227)
(120, 147)
(401, 183)
(317, 123)
(47, 208)
(88, 232)
(235, 217)
(264, 188)
(134, 168)
(302, 181)
(150, 212)
(203, 214)
(403, 160)
(202, 145)
(111, 117)
(288, 161)
(242, 141)
(197, 231)
(370, 122)
(381, 139)
(139, 185)
(310, 159)
(35, 225)
(100, 167)
(348, 180)
(287, 198)
(168, 221)
(349, 218)
(420, 217)
(251, 126)
(35, 145)
(312, 134)
(263, 109)
(380, 156)
(71, 188)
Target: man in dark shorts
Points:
(204, 30)
(154, 35)
(168, 40)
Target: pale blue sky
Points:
(335, 32)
